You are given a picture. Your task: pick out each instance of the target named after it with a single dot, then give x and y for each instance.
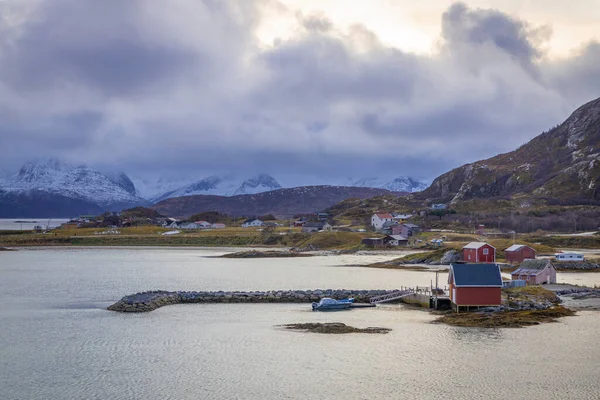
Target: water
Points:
(27, 224)
(58, 342)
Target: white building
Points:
(568, 257)
(377, 220)
(189, 225)
(203, 224)
(253, 222)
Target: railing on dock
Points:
(392, 296)
(407, 291)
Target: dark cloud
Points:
(152, 89)
(316, 23)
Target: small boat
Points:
(328, 304)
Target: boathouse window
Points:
(486, 252)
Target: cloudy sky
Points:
(309, 91)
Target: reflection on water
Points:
(57, 341)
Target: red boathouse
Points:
(479, 252)
(475, 285)
(517, 253)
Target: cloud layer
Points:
(156, 89)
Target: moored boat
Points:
(329, 304)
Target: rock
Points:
(451, 256)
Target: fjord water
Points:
(57, 341)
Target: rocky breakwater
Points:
(148, 301)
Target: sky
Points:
(308, 91)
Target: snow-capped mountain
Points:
(399, 184)
(223, 186)
(406, 184)
(54, 188)
(258, 184)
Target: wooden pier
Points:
(427, 297)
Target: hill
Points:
(358, 209)
(282, 202)
(560, 166)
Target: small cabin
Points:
(517, 253)
(535, 272)
(569, 257)
(372, 242)
(475, 285)
(311, 227)
(479, 252)
(395, 240)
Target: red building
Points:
(475, 285)
(517, 253)
(479, 252)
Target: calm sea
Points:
(29, 223)
(57, 341)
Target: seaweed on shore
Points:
(332, 328)
(505, 319)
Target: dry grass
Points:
(532, 293)
(507, 319)
(334, 240)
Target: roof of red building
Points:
(477, 245)
(385, 216)
(475, 275)
(517, 247)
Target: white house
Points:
(218, 226)
(189, 225)
(252, 222)
(203, 224)
(171, 223)
(377, 220)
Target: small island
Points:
(265, 254)
(332, 328)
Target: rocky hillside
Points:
(282, 203)
(561, 166)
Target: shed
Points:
(311, 227)
(372, 242)
(395, 240)
(475, 285)
(518, 252)
(535, 272)
(479, 252)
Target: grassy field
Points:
(154, 236)
(280, 236)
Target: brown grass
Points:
(507, 319)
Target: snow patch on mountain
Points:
(399, 184)
(212, 185)
(258, 184)
(73, 181)
(228, 185)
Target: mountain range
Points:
(52, 188)
(283, 203)
(560, 166)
